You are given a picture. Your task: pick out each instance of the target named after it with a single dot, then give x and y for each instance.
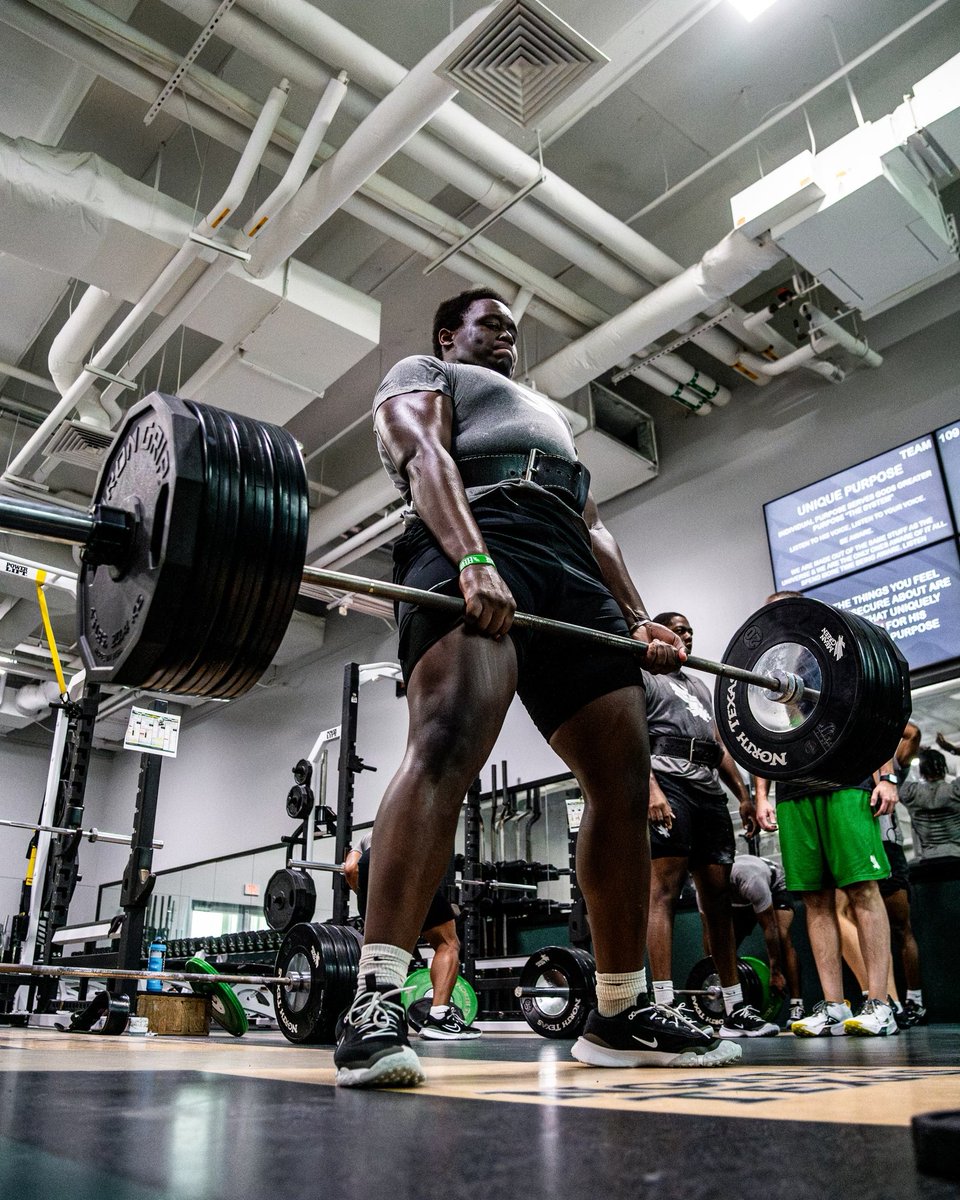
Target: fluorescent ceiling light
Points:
(751, 8)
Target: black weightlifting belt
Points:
(570, 481)
(702, 752)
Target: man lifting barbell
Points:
(500, 512)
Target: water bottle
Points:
(155, 956)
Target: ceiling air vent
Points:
(522, 60)
(79, 445)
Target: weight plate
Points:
(771, 1000)
(227, 653)
(559, 967)
(301, 1012)
(225, 1008)
(832, 740)
(418, 986)
(709, 1008)
(129, 614)
(216, 561)
(290, 897)
(214, 542)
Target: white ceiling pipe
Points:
(303, 156)
(273, 50)
(853, 345)
(676, 391)
(462, 263)
(722, 270)
(269, 47)
(142, 309)
(231, 197)
(514, 269)
(310, 28)
(332, 42)
(69, 350)
(368, 539)
(28, 377)
(696, 381)
(354, 504)
(789, 362)
(392, 123)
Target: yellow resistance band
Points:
(48, 630)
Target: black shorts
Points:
(899, 879)
(702, 830)
(543, 553)
(439, 912)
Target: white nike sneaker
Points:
(875, 1019)
(827, 1020)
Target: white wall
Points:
(694, 539)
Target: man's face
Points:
(681, 627)
(487, 338)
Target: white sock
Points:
(916, 995)
(732, 998)
(663, 992)
(618, 992)
(390, 965)
(439, 1010)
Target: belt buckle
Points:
(532, 458)
(693, 749)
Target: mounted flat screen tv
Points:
(916, 598)
(866, 514)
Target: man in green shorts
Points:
(831, 839)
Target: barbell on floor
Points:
(293, 980)
(193, 559)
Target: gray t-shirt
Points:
(491, 415)
(934, 810)
(680, 706)
(753, 881)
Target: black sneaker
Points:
(910, 1015)
(689, 1014)
(649, 1036)
(373, 1050)
(451, 1027)
(745, 1022)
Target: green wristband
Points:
(470, 560)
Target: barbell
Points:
(193, 558)
(92, 835)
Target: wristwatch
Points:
(889, 779)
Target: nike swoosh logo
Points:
(643, 1042)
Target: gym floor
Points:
(89, 1117)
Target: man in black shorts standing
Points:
(500, 514)
(690, 829)
(444, 1021)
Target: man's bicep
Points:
(411, 421)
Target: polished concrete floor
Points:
(127, 1118)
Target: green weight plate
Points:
(772, 1000)
(225, 1008)
(418, 985)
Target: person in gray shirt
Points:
(934, 807)
(499, 513)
